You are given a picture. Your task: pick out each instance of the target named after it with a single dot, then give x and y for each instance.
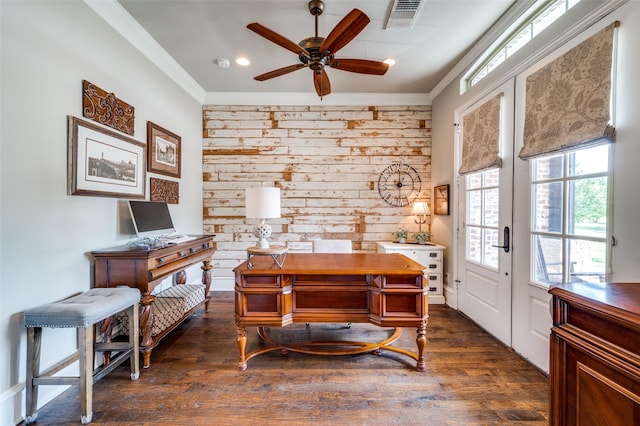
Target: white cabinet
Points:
(429, 256)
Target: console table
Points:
(595, 354)
(388, 290)
(145, 268)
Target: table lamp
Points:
(420, 210)
(262, 203)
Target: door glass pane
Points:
(492, 177)
(587, 260)
(474, 244)
(474, 181)
(492, 207)
(587, 205)
(590, 160)
(490, 252)
(474, 208)
(547, 207)
(548, 168)
(547, 258)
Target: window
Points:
(569, 227)
(481, 224)
(535, 20)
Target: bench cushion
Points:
(84, 309)
(193, 294)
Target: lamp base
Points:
(262, 231)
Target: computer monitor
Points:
(151, 219)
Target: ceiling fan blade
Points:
(279, 72)
(346, 30)
(277, 38)
(361, 66)
(321, 82)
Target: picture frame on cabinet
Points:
(163, 151)
(441, 199)
(104, 163)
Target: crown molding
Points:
(115, 15)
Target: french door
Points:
(484, 228)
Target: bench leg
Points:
(34, 341)
(134, 340)
(85, 340)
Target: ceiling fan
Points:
(318, 52)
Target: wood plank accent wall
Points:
(325, 159)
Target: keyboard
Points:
(176, 238)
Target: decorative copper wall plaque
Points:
(106, 108)
(165, 190)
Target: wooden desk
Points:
(145, 268)
(388, 290)
(595, 354)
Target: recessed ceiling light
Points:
(242, 61)
(390, 62)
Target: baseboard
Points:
(222, 284)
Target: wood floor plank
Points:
(471, 379)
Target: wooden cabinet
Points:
(595, 354)
(429, 256)
(145, 268)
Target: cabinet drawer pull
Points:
(432, 254)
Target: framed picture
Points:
(164, 190)
(163, 151)
(104, 163)
(441, 199)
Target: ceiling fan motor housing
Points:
(315, 60)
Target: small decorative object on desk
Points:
(401, 235)
(422, 237)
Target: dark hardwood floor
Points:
(471, 379)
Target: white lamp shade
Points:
(420, 208)
(262, 202)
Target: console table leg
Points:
(147, 318)
(180, 277)
(242, 343)
(146, 358)
(206, 280)
(421, 340)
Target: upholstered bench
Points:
(81, 312)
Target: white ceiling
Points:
(197, 32)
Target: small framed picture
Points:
(441, 199)
(163, 151)
(104, 163)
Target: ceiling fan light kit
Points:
(317, 52)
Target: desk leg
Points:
(242, 343)
(206, 280)
(421, 340)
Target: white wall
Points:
(626, 175)
(48, 48)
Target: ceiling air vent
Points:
(403, 14)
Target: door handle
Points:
(506, 240)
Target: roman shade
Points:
(567, 101)
(481, 137)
